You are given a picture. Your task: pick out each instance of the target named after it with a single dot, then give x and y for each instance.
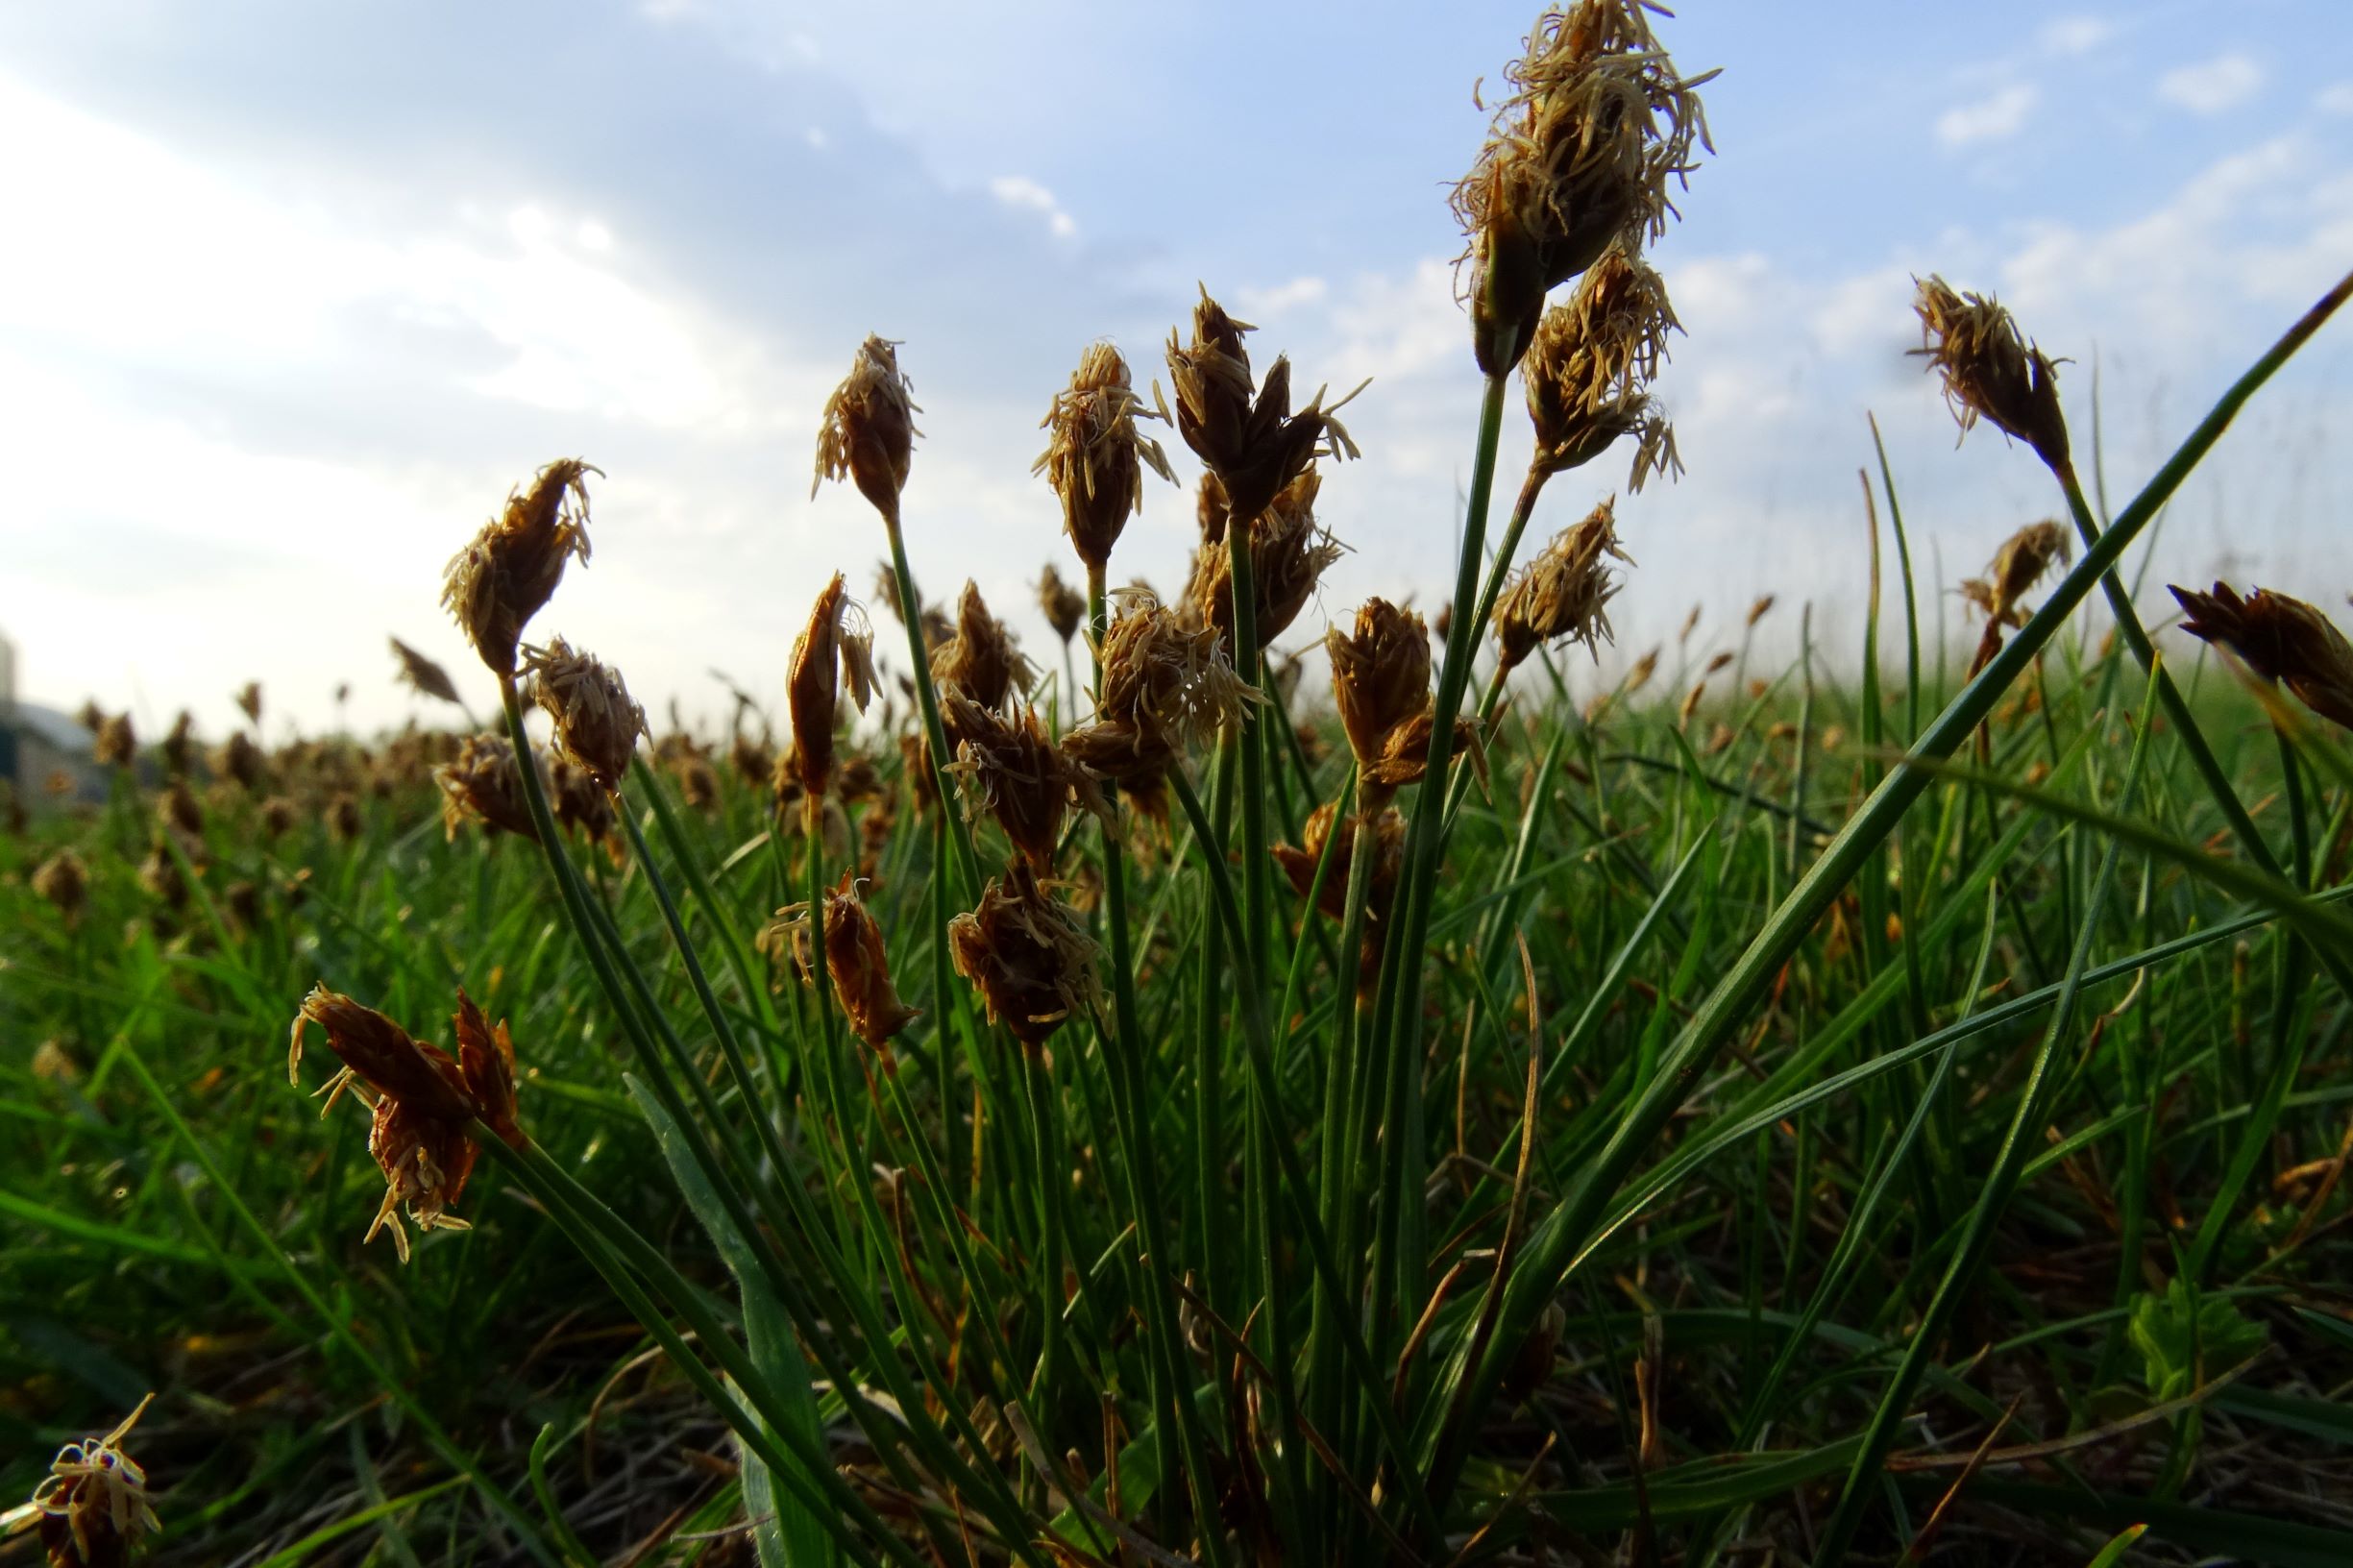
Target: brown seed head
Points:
(2280, 639)
(178, 746)
(597, 722)
(277, 817)
(483, 783)
(343, 818)
(238, 757)
(1010, 767)
(422, 676)
(861, 970)
(1167, 686)
(1577, 159)
(499, 581)
(486, 1063)
(161, 875)
(1760, 609)
(1065, 607)
(1380, 674)
(116, 744)
(581, 806)
(1587, 368)
(837, 646)
(177, 808)
(1095, 459)
(1388, 840)
(424, 1098)
(249, 702)
(1405, 757)
(868, 430)
(1564, 592)
(64, 882)
(2016, 567)
(1990, 370)
(1254, 444)
(1290, 553)
(92, 1507)
(1027, 955)
(982, 657)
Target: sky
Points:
(293, 294)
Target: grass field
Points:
(1450, 1115)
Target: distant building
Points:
(38, 744)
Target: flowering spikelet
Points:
(581, 805)
(1380, 674)
(1289, 555)
(238, 757)
(868, 430)
(861, 970)
(422, 676)
(1405, 757)
(277, 817)
(1564, 592)
(175, 808)
(94, 1505)
(1387, 835)
(249, 703)
(1064, 606)
(2280, 639)
(64, 882)
(837, 646)
(179, 747)
(982, 657)
(423, 1099)
(2016, 567)
(1095, 459)
(1579, 159)
(1588, 367)
(1013, 767)
(1167, 685)
(483, 783)
(116, 744)
(1027, 955)
(1253, 443)
(161, 875)
(510, 569)
(1990, 370)
(597, 722)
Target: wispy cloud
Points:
(2001, 116)
(2076, 35)
(1018, 190)
(2211, 87)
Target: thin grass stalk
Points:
(1976, 1240)
(1555, 1242)
(927, 698)
(1123, 1049)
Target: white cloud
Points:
(2076, 35)
(1282, 298)
(2335, 99)
(1990, 119)
(1021, 191)
(2212, 86)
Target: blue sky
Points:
(294, 293)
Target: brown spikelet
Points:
(483, 783)
(1564, 592)
(1579, 159)
(486, 1063)
(1380, 676)
(1027, 955)
(1289, 555)
(424, 676)
(64, 882)
(1167, 686)
(868, 430)
(581, 806)
(116, 744)
(423, 1103)
(508, 572)
(179, 747)
(1010, 766)
(239, 758)
(1386, 836)
(344, 821)
(597, 722)
(836, 646)
(1405, 756)
(1064, 606)
(249, 703)
(1759, 609)
(175, 808)
(1095, 459)
(92, 1510)
(982, 657)
(1990, 371)
(2279, 639)
(1587, 370)
(861, 970)
(1249, 438)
